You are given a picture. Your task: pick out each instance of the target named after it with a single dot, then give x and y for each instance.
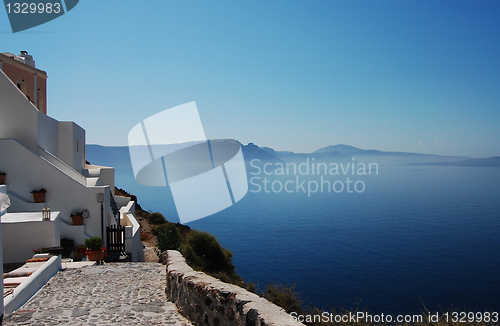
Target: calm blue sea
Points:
(417, 236)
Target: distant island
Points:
(119, 155)
(341, 152)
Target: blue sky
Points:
(416, 76)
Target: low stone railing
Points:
(207, 301)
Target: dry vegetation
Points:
(151, 224)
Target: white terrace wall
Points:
(23, 232)
(18, 116)
(133, 242)
(207, 301)
(48, 135)
(72, 145)
(28, 171)
(106, 174)
(21, 120)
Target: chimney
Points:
(27, 59)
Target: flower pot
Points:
(95, 255)
(77, 219)
(39, 197)
(2, 178)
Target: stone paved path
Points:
(113, 294)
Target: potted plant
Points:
(42, 250)
(39, 195)
(77, 216)
(2, 178)
(95, 250)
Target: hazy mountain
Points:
(351, 150)
(118, 156)
(345, 149)
(252, 151)
(386, 157)
(272, 151)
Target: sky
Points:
(414, 76)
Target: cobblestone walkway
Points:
(113, 294)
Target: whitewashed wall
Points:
(23, 232)
(48, 133)
(71, 146)
(18, 116)
(27, 172)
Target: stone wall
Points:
(207, 301)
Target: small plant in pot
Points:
(78, 215)
(95, 250)
(39, 195)
(42, 250)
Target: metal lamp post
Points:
(100, 199)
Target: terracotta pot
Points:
(77, 219)
(2, 178)
(95, 255)
(39, 197)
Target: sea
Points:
(416, 238)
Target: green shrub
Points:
(284, 296)
(156, 218)
(158, 228)
(94, 243)
(203, 252)
(251, 287)
(167, 239)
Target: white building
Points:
(37, 151)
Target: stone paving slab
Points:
(76, 264)
(113, 294)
